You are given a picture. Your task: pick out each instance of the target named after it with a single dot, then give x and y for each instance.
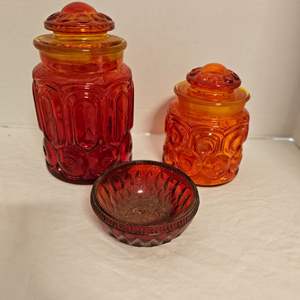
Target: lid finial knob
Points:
(214, 77)
(79, 17)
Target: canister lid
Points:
(214, 84)
(214, 77)
(79, 17)
(78, 28)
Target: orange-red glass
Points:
(83, 94)
(207, 125)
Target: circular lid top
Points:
(79, 28)
(214, 77)
(212, 83)
(78, 17)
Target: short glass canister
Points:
(83, 94)
(207, 125)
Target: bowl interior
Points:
(145, 193)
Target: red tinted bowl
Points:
(145, 203)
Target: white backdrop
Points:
(244, 242)
(259, 39)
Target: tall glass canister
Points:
(83, 94)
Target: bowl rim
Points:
(170, 225)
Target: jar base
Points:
(214, 184)
(204, 183)
(63, 178)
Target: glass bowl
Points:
(145, 203)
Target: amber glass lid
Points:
(214, 84)
(79, 27)
(78, 17)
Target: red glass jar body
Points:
(83, 94)
(85, 116)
